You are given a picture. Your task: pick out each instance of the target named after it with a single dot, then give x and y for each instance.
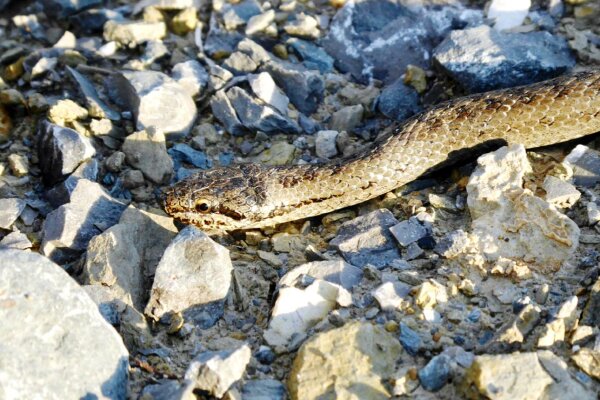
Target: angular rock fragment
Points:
(586, 165)
(225, 113)
(63, 325)
(191, 75)
(264, 389)
(146, 151)
(10, 209)
(392, 295)
(61, 192)
(264, 88)
(96, 107)
(64, 8)
(338, 272)
(133, 33)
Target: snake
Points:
(250, 196)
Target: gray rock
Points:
(564, 385)
(483, 58)
(409, 231)
(264, 88)
(92, 21)
(167, 5)
(312, 56)
(168, 390)
(260, 22)
(378, 39)
(64, 8)
(410, 340)
(194, 270)
(256, 116)
(367, 239)
(16, 240)
(347, 118)
(591, 311)
(191, 75)
(96, 107)
(61, 192)
(156, 101)
(224, 112)
(68, 229)
(183, 153)
(236, 14)
(60, 151)
(216, 371)
(240, 63)
(255, 51)
(436, 373)
(264, 389)
(303, 25)
(452, 244)
(132, 33)
(337, 272)
(132, 179)
(304, 88)
(62, 325)
(391, 295)
(153, 51)
(586, 165)
(325, 144)
(124, 256)
(10, 209)
(146, 151)
(398, 101)
(4, 3)
(220, 42)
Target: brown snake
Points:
(253, 196)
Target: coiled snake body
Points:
(253, 196)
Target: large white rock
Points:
(53, 340)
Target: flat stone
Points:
(334, 271)
(352, 360)
(260, 22)
(16, 240)
(133, 33)
(60, 193)
(64, 8)
(193, 271)
(483, 59)
(96, 107)
(68, 229)
(312, 56)
(391, 295)
(124, 256)
(255, 51)
(436, 373)
(239, 63)
(325, 144)
(235, 15)
(10, 209)
(60, 151)
(507, 376)
(191, 76)
(264, 389)
(264, 88)
(586, 165)
(146, 150)
(224, 112)
(303, 87)
(216, 371)
(367, 239)
(410, 339)
(156, 101)
(63, 325)
(409, 231)
(398, 101)
(347, 118)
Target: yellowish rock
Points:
(350, 362)
(65, 111)
(588, 361)
(5, 125)
(185, 21)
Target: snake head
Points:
(217, 200)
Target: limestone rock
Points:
(146, 151)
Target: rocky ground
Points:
(480, 281)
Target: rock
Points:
(16, 240)
(191, 76)
(219, 43)
(280, 153)
(312, 56)
(60, 193)
(513, 333)
(465, 55)
(240, 63)
(264, 88)
(66, 41)
(297, 310)
(507, 376)
(132, 179)
(18, 164)
(325, 144)
(585, 163)
(124, 256)
(560, 193)
(182, 152)
(347, 118)
(132, 33)
(561, 321)
(82, 343)
(260, 22)
(235, 15)
(591, 311)
(255, 51)
(264, 389)
(352, 360)
(65, 111)
(258, 117)
(410, 231)
(392, 295)
(10, 209)
(304, 25)
(185, 21)
(167, 389)
(193, 271)
(378, 39)
(367, 239)
(146, 150)
(156, 101)
(167, 5)
(224, 112)
(334, 271)
(564, 384)
(44, 65)
(68, 229)
(64, 8)
(398, 101)
(508, 14)
(96, 107)
(216, 371)
(410, 340)
(430, 294)
(588, 361)
(304, 88)
(92, 21)
(436, 373)
(500, 208)
(60, 151)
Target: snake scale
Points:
(253, 196)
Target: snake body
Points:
(253, 196)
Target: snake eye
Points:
(202, 206)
